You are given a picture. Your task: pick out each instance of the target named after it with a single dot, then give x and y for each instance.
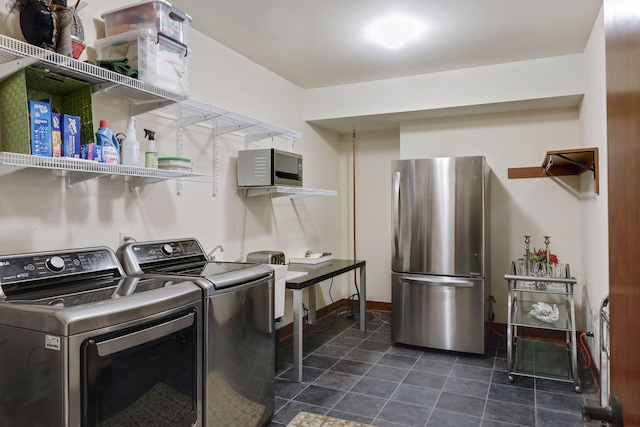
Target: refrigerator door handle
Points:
(435, 282)
(396, 214)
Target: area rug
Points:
(307, 419)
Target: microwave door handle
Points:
(396, 213)
(435, 282)
(115, 345)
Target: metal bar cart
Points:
(540, 358)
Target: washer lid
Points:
(114, 303)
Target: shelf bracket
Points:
(260, 136)
(139, 181)
(573, 162)
(234, 128)
(179, 152)
(563, 163)
(8, 68)
(200, 118)
(138, 109)
(75, 177)
(215, 159)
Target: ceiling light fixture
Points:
(395, 31)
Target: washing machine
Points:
(81, 344)
(239, 349)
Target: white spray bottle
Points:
(131, 146)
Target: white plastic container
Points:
(156, 15)
(175, 163)
(159, 61)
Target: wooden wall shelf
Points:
(562, 163)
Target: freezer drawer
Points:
(439, 312)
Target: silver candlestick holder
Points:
(547, 240)
(527, 240)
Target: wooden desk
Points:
(316, 274)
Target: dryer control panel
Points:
(142, 256)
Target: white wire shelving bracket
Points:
(283, 190)
(16, 55)
(77, 170)
(192, 111)
(142, 97)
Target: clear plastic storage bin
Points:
(157, 15)
(160, 62)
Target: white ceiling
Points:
(317, 43)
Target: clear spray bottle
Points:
(131, 146)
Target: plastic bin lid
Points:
(130, 36)
(177, 159)
(129, 6)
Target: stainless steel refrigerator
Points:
(439, 262)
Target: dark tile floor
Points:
(363, 377)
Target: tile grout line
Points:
(339, 360)
(486, 399)
(494, 370)
(387, 400)
(441, 391)
(361, 376)
(400, 382)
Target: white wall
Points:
(39, 213)
(546, 79)
(374, 152)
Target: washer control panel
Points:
(51, 265)
(153, 252)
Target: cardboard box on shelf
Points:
(71, 131)
(56, 135)
(68, 95)
(40, 128)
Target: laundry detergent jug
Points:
(109, 143)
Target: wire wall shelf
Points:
(192, 111)
(15, 55)
(142, 97)
(283, 190)
(80, 170)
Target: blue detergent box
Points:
(70, 129)
(40, 126)
(91, 151)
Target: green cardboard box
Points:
(68, 95)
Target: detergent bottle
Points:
(131, 146)
(109, 143)
(151, 155)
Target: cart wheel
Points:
(510, 379)
(577, 389)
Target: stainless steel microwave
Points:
(269, 166)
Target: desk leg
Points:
(363, 299)
(311, 317)
(297, 334)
